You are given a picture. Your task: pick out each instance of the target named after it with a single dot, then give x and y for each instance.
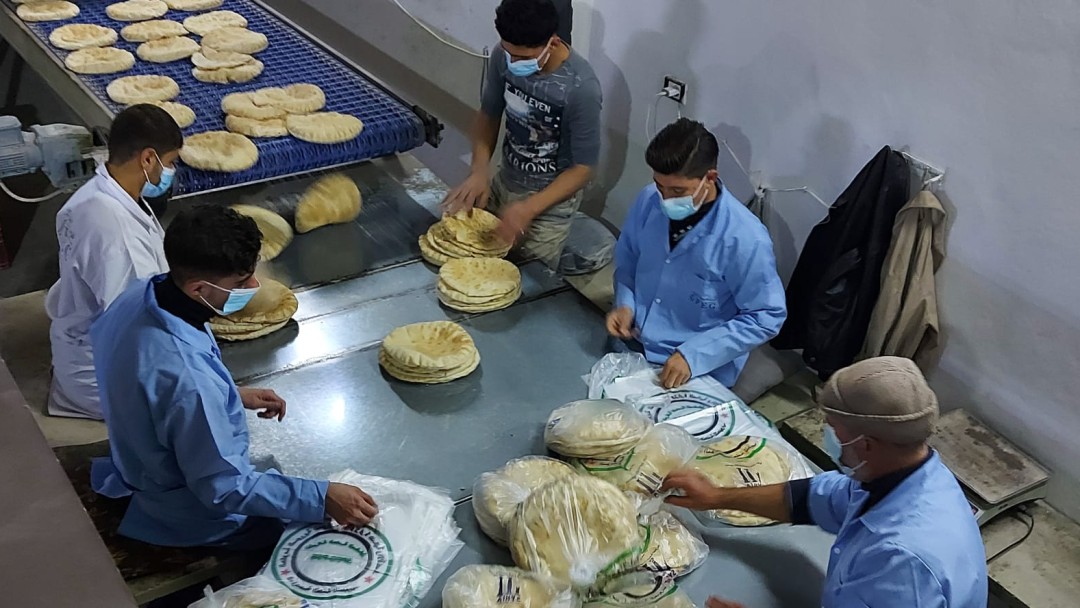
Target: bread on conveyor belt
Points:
(333, 199)
(299, 98)
(209, 59)
(164, 50)
(219, 151)
(137, 10)
(142, 89)
(276, 232)
(324, 127)
(152, 30)
(241, 104)
(46, 11)
(183, 115)
(478, 284)
(239, 74)
(193, 5)
(270, 310)
(235, 39)
(203, 24)
(95, 60)
(75, 36)
(429, 353)
(252, 127)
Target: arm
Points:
(217, 469)
(476, 189)
(699, 494)
(889, 576)
(759, 296)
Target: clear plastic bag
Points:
(579, 530)
(743, 461)
(672, 547)
(641, 590)
(502, 587)
(612, 367)
(496, 495)
(594, 428)
(643, 468)
(255, 592)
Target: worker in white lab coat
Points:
(108, 237)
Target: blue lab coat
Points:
(714, 298)
(919, 547)
(178, 432)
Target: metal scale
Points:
(995, 475)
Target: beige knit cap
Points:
(885, 397)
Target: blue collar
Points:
(903, 497)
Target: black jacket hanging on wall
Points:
(832, 293)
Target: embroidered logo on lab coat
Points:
(326, 563)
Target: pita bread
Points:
(131, 90)
(203, 24)
(276, 232)
(137, 10)
(95, 60)
(671, 547)
(209, 59)
(236, 40)
(183, 115)
(333, 199)
(193, 5)
(324, 127)
(456, 303)
(740, 461)
(152, 30)
(595, 428)
(643, 468)
(500, 587)
(239, 74)
(659, 595)
(481, 277)
(219, 151)
(75, 36)
(36, 12)
(272, 127)
(433, 377)
(274, 303)
(430, 255)
(496, 495)
(436, 345)
(252, 335)
(241, 104)
(164, 50)
(293, 99)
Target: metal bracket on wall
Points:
(930, 174)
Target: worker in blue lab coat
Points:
(696, 286)
(905, 535)
(176, 419)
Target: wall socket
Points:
(676, 87)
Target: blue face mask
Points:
(682, 207)
(527, 67)
(238, 298)
(835, 450)
(150, 190)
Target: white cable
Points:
(437, 35)
(654, 108)
(804, 189)
(738, 162)
(40, 199)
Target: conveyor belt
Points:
(390, 126)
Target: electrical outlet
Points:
(675, 89)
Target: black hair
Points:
(684, 148)
(211, 242)
(143, 126)
(528, 23)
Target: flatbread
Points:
(152, 30)
(235, 39)
(131, 90)
(298, 98)
(475, 231)
(430, 255)
(324, 127)
(458, 303)
(672, 547)
(35, 12)
(203, 24)
(219, 151)
(250, 335)
(241, 104)
(436, 345)
(272, 304)
(595, 428)
(209, 59)
(431, 377)
(276, 236)
(75, 36)
(239, 74)
(478, 586)
(194, 5)
(496, 495)
(480, 277)
(164, 50)
(334, 199)
(741, 461)
(137, 10)
(272, 127)
(183, 115)
(664, 449)
(95, 60)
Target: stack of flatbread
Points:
(741, 461)
(270, 310)
(227, 48)
(463, 236)
(479, 284)
(429, 353)
(263, 112)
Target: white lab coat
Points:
(107, 240)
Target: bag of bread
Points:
(643, 468)
(502, 587)
(642, 590)
(496, 495)
(672, 547)
(594, 428)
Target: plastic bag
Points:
(643, 468)
(496, 495)
(738, 462)
(255, 592)
(579, 530)
(672, 547)
(657, 590)
(594, 428)
(612, 367)
(501, 587)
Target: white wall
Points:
(806, 92)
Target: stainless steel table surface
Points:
(772, 567)
(345, 413)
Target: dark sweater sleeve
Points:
(798, 495)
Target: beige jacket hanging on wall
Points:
(905, 318)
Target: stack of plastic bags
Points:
(391, 563)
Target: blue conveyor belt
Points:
(389, 125)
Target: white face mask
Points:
(238, 298)
(835, 450)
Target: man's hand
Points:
(715, 602)
(349, 505)
(676, 372)
(264, 399)
(514, 221)
(620, 323)
(695, 491)
(475, 191)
